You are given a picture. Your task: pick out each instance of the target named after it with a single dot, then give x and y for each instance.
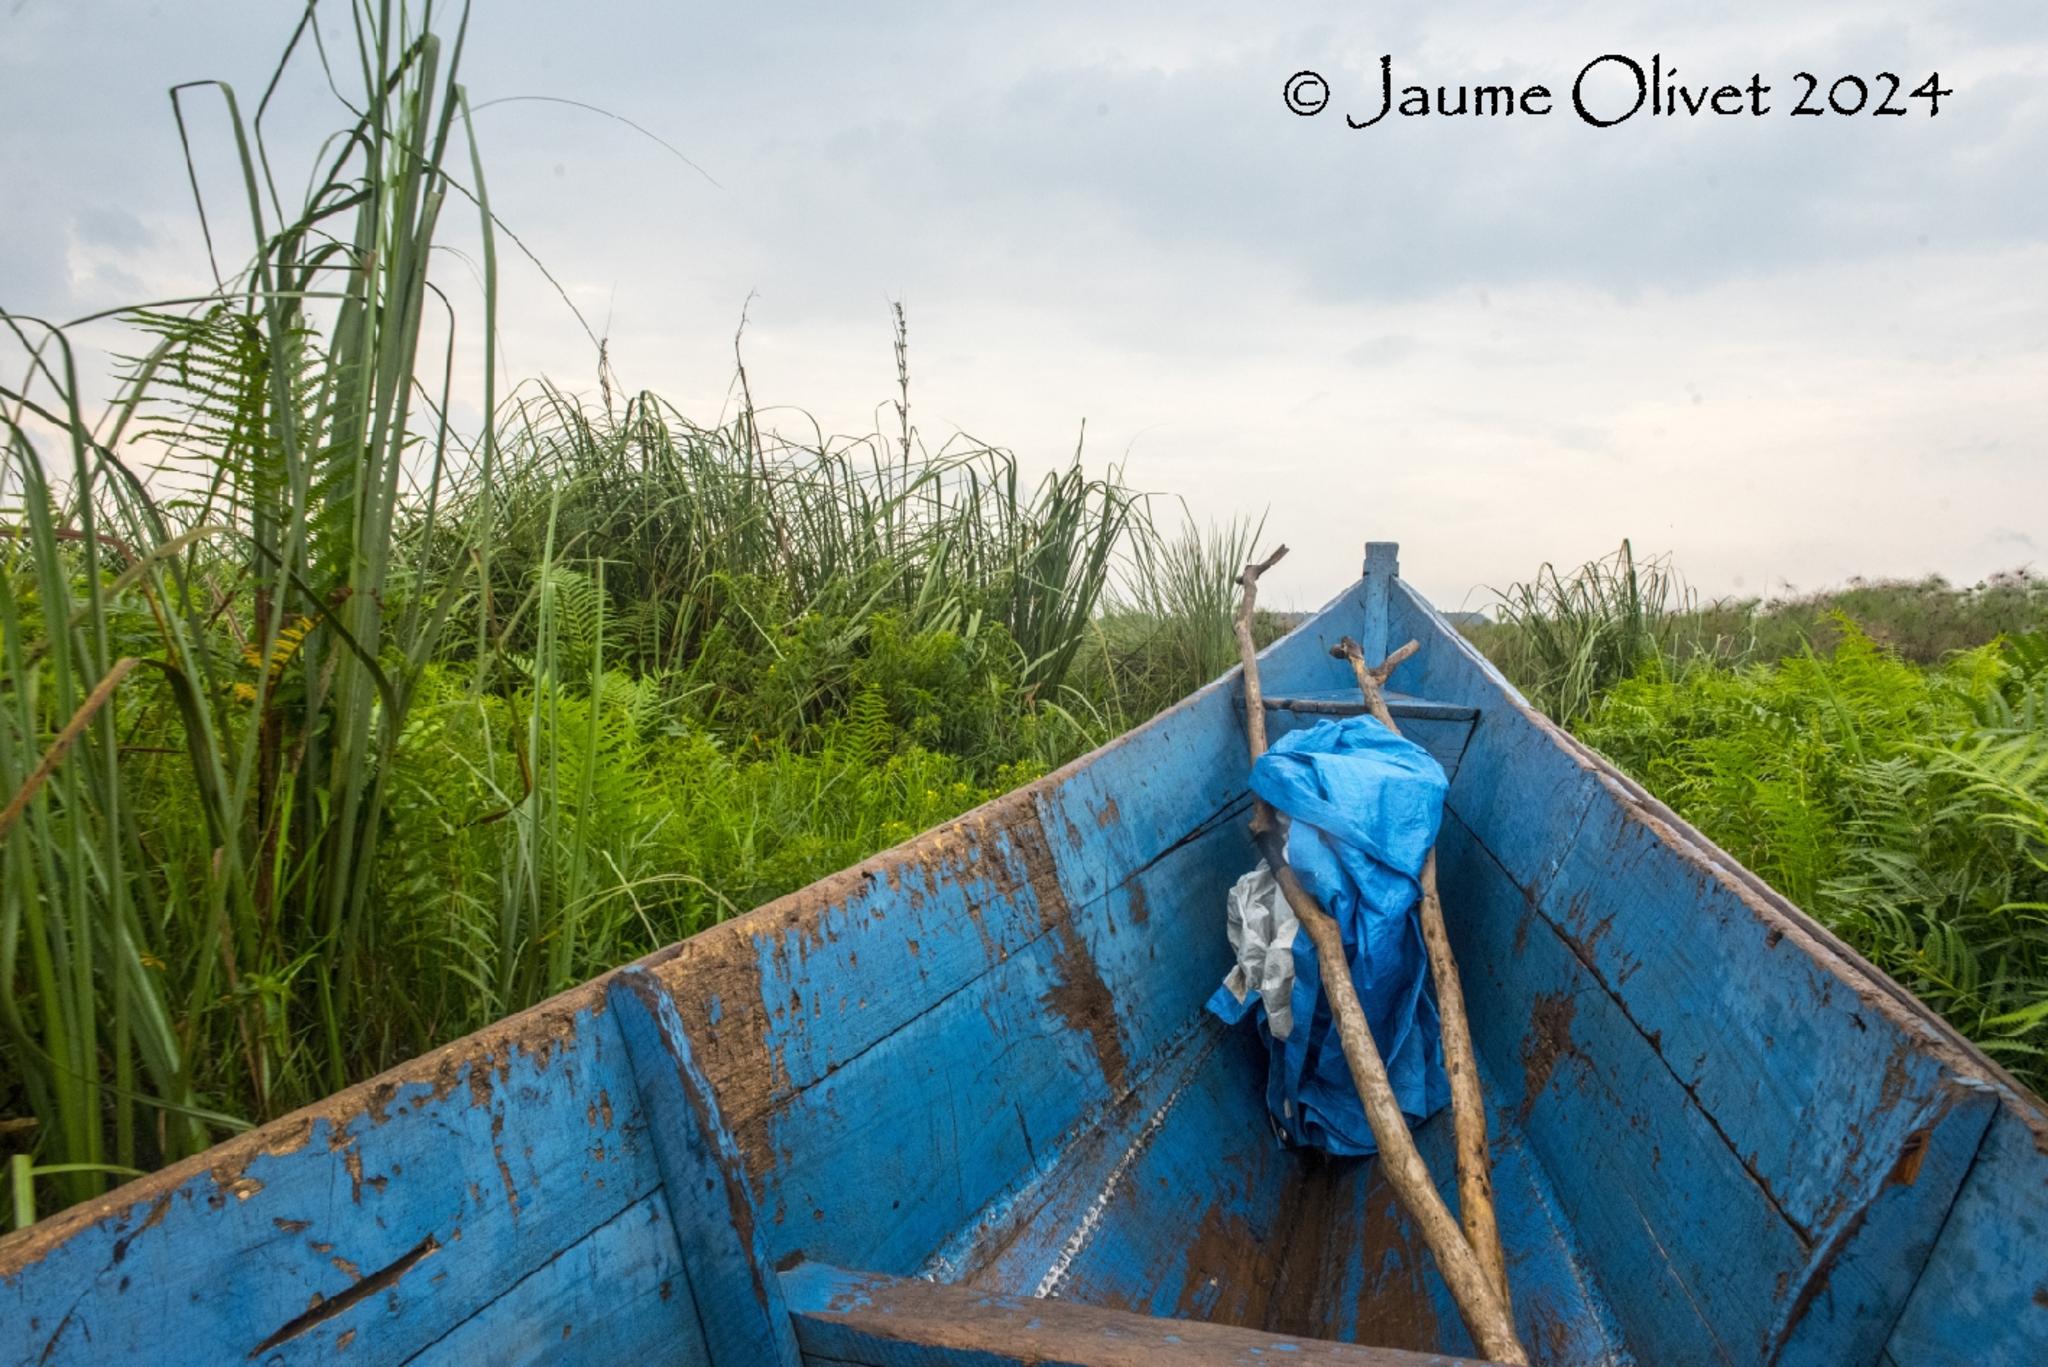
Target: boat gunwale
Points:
(1870, 983)
(545, 1021)
(553, 1018)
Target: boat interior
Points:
(962, 1103)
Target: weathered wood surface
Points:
(378, 1222)
(878, 1321)
(1719, 1135)
(1983, 1297)
(1278, 1241)
(1705, 1069)
(620, 1294)
(737, 1298)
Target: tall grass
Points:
(1920, 620)
(1568, 638)
(267, 619)
(328, 733)
(697, 519)
(1167, 624)
(1568, 635)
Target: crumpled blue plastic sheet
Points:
(1364, 808)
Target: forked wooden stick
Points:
(1483, 1309)
(1468, 1106)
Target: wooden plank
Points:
(1656, 1201)
(964, 1103)
(1348, 703)
(1983, 1297)
(1819, 1075)
(889, 1322)
(1812, 1076)
(1382, 568)
(380, 1219)
(737, 1296)
(1844, 1305)
(620, 1294)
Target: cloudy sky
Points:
(1787, 350)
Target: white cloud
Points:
(1783, 349)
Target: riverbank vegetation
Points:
(329, 732)
(332, 729)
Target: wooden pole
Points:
(1483, 1310)
(1468, 1105)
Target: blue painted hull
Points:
(980, 1060)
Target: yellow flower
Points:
(290, 637)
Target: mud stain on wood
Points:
(1141, 909)
(991, 854)
(1081, 999)
(1549, 1038)
(1347, 1218)
(1231, 1270)
(1303, 1297)
(1395, 1307)
(1083, 1003)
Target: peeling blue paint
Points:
(980, 1059)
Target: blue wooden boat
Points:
(961, 1105)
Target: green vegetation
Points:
(329, 733)
(1880, 755)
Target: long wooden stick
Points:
(1484, 1313)
(1468, 1106)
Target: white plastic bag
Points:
(1262, 929)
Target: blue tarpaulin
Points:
(1364, 807)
